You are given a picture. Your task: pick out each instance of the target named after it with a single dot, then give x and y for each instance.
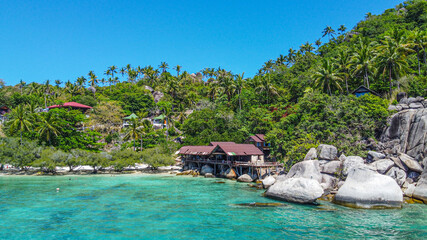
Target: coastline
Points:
(88, 172)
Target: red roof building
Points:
(72, 105)
(258, 140)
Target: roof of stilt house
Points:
(229, 148)
(241, 149)
(222, 143)
(70, 104)
(196, 150)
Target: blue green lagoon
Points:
(181, 207)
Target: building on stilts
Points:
(242, 158)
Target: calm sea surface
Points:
(169, 207)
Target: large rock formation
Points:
(407, 129)
(420, 191)
(298, 189)
(366, 188)
(268, 181)
(351, 162)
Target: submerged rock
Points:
(298, 189)
(209, 175)
(327, 152)
(367, 189)
(245, 178)
(258, 204)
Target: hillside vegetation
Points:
(299, 99)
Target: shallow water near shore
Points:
(170, 207)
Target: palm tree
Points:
(19, 121)
(291, 55)
(268, 66)
(46, 92)
(318, 42)
(58, 83)
(343, 61)
(49, 126)
(93, 81)
(239, 87)
(164, 66)
(280, 60)
(145, 128)
(362, 61)
(81, 81)
(21, 85)
(227, 86)
(342, 29)
(328, 31)
(178, 70)
(133, 132)
(392, 56)
(419, 44)
(110, 72)
(266, 86)
(326, 76)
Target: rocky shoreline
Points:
(393, 172)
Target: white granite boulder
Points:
(245, 178)
(382, 165)
(298, 189)
(268, 181)
(332, 167)
(367, 189)
(420, 191)
(327, 152)
(306, 169)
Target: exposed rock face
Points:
(407, 131)
(206, 169)
(245, 178)
(268, 181)
(352, 162)
(420, 191)
(332, 167)
(328, 182)
(298, 189)
(366, 188)
(397, 174)
(382, 166)
(311, 154)
(327, 152)
(306, 169)
(157, 96)
(410, 162)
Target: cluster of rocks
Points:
(374, 181)
(156, 94)
(409, 103)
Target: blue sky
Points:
(63, 40)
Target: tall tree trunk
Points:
(134, 148)
(389, 72)
(419, 64)
(240, 102)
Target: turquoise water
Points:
(169, 207)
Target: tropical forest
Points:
(298, 99)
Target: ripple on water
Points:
(164, 207)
